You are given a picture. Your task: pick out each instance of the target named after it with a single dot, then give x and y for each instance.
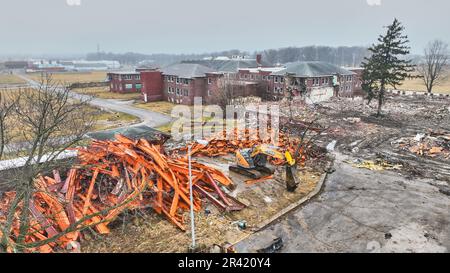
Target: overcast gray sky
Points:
(196, 26)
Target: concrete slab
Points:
(361, 210)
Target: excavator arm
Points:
(273, 152)
(256, 158)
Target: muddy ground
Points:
(368, 207)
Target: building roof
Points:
(313, 69)
(124, 72)
(187, 70)
(231, 65)
(135, 132)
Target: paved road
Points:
(148, 118)
(361, 210)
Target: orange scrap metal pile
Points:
(219, 146)
(109, 178)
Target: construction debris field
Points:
(389, 191)
(396, 167)
(263, 201)
(147, 232)
(383, 186)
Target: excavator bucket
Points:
(291, 182)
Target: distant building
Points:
(49, 66)
(69, 66)
(207, 78)
(358, 81)
(152, 85)
(233, 65)
(316, 80)
(125, 82)
(15, 64)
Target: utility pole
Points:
(192, 199)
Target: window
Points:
(282, 79)
(137, 77)
(128, 86)
(276, 79)
(209, 93)
(209, 80)
(186, 92)
(138, 86)
(178, 80)
(178, 91)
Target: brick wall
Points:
(152, 85)
(119, 83)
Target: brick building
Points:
(152, 85)
(357, 87)
(125, 82)
(181, 83)
(315, 80)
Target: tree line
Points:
(342, 56)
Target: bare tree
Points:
(7, 104)
(228, 90)
(51, 121)
(432, 69)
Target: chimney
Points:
(258, 59)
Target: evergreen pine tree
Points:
(386, 67)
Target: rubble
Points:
(110, 178)
(376, 165)
(430, 144)
(219, 146)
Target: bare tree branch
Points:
(432, 68)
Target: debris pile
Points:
(430, 144)
(220, 146)
(111, 177)
(376, 165)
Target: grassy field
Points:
(104, 93)
(68, 78)
(162, 107)
(10, 79)
(418, 85)
(110, 120)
